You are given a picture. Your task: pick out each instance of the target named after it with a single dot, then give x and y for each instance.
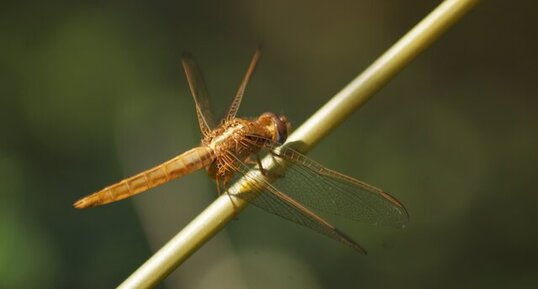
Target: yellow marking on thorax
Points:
(226, 136)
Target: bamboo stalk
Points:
(328, 117)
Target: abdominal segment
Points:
(179, 166)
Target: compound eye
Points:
(281, 125)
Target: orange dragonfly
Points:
(235, 146)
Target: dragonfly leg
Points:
(254, 159)
(259, 162)
(221, 184)
(275, 155)
(265, 172)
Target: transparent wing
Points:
(199, 93)
(234, 107)
(326, 190)
(267, 197)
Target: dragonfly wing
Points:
(265, 196)
(234, 107)
(199, 93)
(329, 191)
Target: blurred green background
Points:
(91, 92)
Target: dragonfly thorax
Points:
(239, 139)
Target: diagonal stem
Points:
(328, 117)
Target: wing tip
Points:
(401, 208)
(350, 242)
(360, 249)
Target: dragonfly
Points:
(298, 191)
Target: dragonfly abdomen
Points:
(179, 166)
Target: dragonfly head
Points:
(279, 126)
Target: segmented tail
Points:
(179, 166)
